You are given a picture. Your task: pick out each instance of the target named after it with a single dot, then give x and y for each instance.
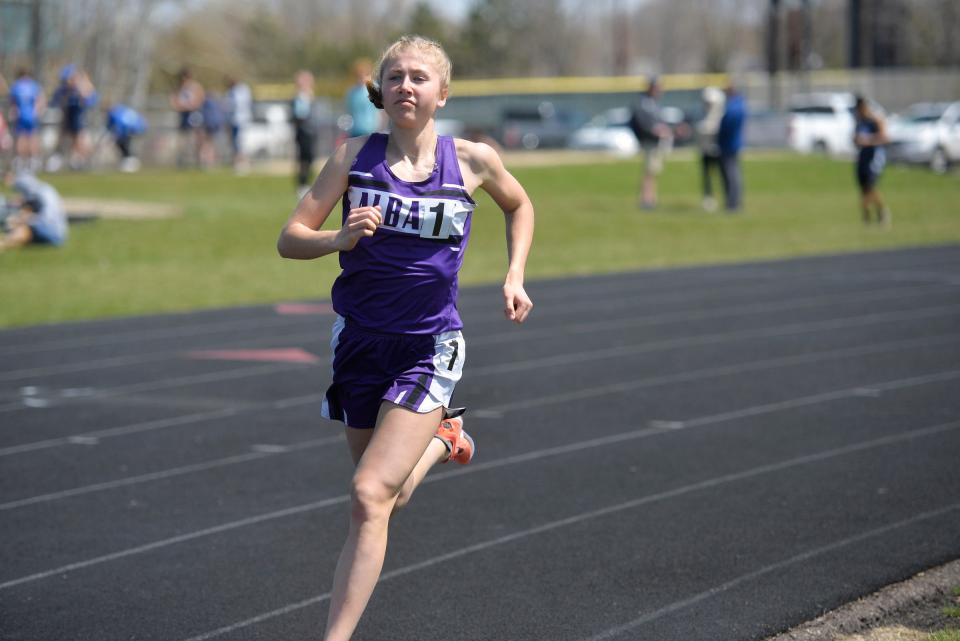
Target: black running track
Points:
(706, 454)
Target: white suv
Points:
(822, 123)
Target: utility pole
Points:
(807, 46)
(620, 28)
(36, 38)
(855, 21)
(773, 53)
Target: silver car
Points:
(927, 133)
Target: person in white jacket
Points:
(713, 104)
(238, 106)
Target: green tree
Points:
(484, 48)
(423, 21)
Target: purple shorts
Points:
(415, 371)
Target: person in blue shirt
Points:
(74, 97)
(730, 142)
(364, 117)
(211, 112)
(27, 104)
(870, 136)
(124, 123)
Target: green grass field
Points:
(222, 250)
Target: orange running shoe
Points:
(458, 442)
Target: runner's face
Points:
(412, 89)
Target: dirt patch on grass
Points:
(906, 611)
(120, 209)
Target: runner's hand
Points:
(361, 222)
(517, 304)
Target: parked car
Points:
(766, 129)
(927, 133)
(270, 134)
(609, 131)
(821, 123)
(538, 127)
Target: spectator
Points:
(713, 103)
(655, 140)
(304, 128)
(40, 217)
(124, 123)
(364, 116)
(870, 136)
(187, 100)
(6, 139)
(730, 142)
(74, 96)
(212, 116)
(27, 103)
(238, 108)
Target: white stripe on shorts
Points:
(450, 352)
(338, 324)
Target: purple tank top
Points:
(403, 279)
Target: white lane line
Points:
(177, 381)
(319, 334)
(133, 428)
(732, 311)
(267, 321)
(496, 411)
(571, 396)
(565, 291)
(86, 365)
(176, 421)
(622, 351)
(561, 359)
(822, 398)
(632, 504)
(309, 507)
(141, 336)
(472, 469)
(600, 290)
(773, 567)
(259, 452)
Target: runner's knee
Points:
(371, 499)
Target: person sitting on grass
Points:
(36, 216)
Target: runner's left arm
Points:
(517, 208)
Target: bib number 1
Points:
(436, 225)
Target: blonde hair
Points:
(429, 49)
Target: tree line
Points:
(136, 47)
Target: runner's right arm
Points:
(302, 238)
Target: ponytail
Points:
(374, 94)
